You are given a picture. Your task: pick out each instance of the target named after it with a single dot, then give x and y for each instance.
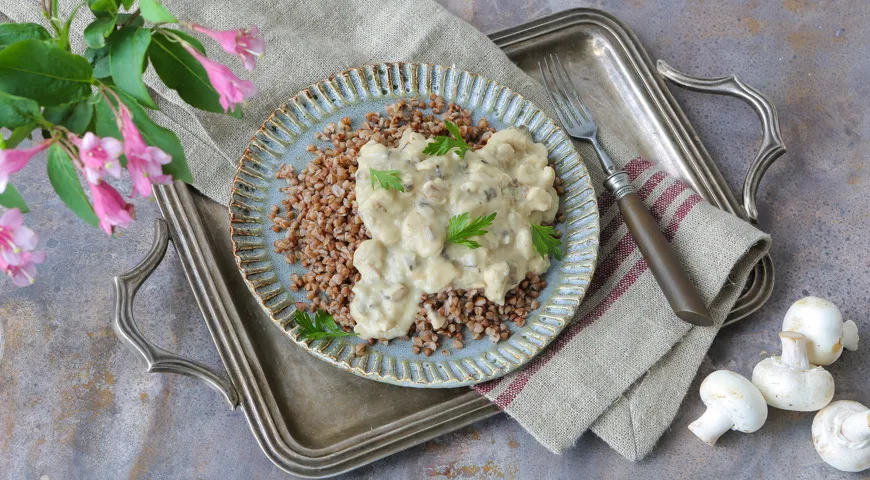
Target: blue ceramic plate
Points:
(283, 138)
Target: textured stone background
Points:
(74, 403)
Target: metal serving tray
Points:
(278, 384)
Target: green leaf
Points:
(44, 72)
(103, 8)
(152, 133)
(104, 119)
(443, 144)
(17, 111)
(63, 177)
(189, 39)
(15, 32)
(323, 326)
(128, 4)
(99, 58)
(92, 125)
(155, 12)
(102, 68)
(74, 116)
(184, 74)
(63, 36)
(10, 198)
(388, 179)
(97, 32)
(19, 134)
(127, 59)
(545, 241)
(460, 230)
(130, 19)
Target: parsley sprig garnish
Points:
(387, 179)
(443, 144)
(545, 241)
(323, 326)
(460, 230)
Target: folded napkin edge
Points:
(607, 427)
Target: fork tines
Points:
(563, 95)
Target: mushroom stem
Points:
(850, 335)
(794, 350)
(856, 427)
(711, 425)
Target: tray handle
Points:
(158, 359)
(772, 146)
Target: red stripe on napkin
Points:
(626, 245)
(608, 231)
(634, 168)
(661, 204)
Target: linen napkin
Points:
(624, 365)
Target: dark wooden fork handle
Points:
(663, 262)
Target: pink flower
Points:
(17, 242)
(144, 163)
(232, 89)
(110, 207)
(99, 156)
(24, 273)
(14, 160)
(15, 238)
(244, 43)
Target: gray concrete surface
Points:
(74, 403)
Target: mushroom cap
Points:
(822, 323)
(735, 397)
(850, 335)
(789, 388)
(835, 450)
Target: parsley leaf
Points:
(443, 144)
(387, 179)
(545, 241)
(460, 230)
(323, 326)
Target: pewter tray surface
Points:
(281, 387)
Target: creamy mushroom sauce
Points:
(407, 255)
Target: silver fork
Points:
(577, 120)
(660, 257)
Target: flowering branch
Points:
(92, 110)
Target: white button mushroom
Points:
(822, 323)
(841, 435)
(733, 403)
(789, 381)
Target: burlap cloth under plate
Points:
(623, 367)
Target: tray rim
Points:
(177, 207)
(188, 236)
(706, 178)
